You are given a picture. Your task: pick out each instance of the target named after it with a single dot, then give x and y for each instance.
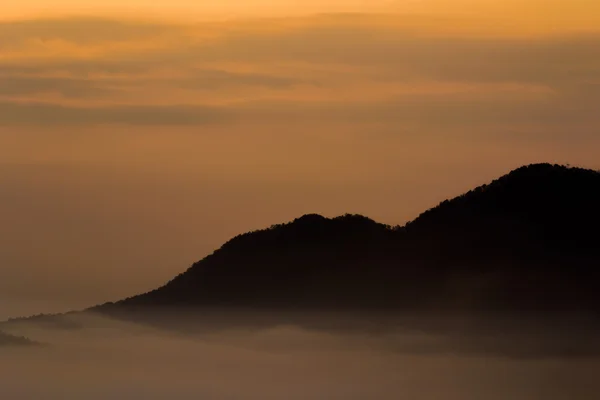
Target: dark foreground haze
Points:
(86, 356)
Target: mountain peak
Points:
(554, 197)
(310, 218)
(544, 171)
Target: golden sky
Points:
(136, 138)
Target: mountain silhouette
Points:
(526, 241)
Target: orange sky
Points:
(132, 146)
(549, 16)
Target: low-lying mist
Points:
(87, 356)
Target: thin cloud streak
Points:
(41, 114)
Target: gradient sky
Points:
(135, 139)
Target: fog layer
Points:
(89, 357)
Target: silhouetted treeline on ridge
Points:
(527, 241)
(11, 340)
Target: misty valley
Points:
(87, 356)
(483, 297)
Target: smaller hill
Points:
(7, 340)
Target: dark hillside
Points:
(528, 240)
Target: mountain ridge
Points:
(526, 240)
